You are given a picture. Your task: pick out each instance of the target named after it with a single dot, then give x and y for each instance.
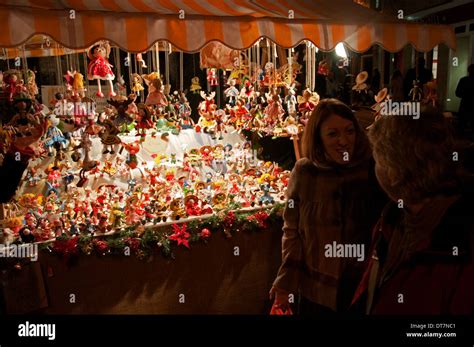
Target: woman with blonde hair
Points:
(333, 201)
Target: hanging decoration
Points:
(99, 67)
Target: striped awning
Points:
(37, 46)
(135, 25)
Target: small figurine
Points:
(52, 182)
(87, 163)
(212, 76)
(323, 67)
(99, 67)
(31, 83)
(416, 93)
(78, 84)
(109, 136)
(143, 119)
(195, 86)
(306, 104)
(274, 111)
(120, 86)
(156, 90)
(141, 60)
(132, 149)
(10, 81)
(185, 120)
(55, 138)
(137, 84)
(232, 92)
(290, 99)
(360, 85)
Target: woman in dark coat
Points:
(333, 200)
(423, 245)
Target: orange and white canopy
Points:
(135, 25)
(37, 46)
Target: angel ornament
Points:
(99, 67)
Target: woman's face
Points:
(338, 136)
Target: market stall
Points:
(123, 168)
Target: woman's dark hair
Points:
(313, 148)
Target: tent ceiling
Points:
(135, 25)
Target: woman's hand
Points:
(281, 297)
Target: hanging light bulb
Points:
(340, 50)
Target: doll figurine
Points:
(99, 67)
(212, 76)
(141, 60)
(78, 84)
(156, 95)
(185, 120)
(109, 136)
(55, 138)
(195, 86)
(416, 93)
(307, 103)
(137, 84)
(274, 111)
(132, 149)
(31, 83)
(232, 92)
(290, 99)
(144, 120)
(120, 86)
(10, 82)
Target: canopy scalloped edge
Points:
(137, 33)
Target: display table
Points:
(212, 279)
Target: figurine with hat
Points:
(360, 85)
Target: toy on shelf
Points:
(156, 90)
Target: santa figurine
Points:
(99, 67)
(212, 76)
